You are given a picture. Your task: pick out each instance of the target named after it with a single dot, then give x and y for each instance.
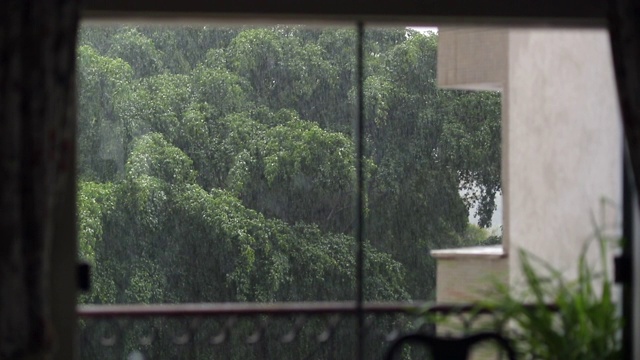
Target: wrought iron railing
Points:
(323, 330)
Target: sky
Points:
(496, 219)
(424, 29)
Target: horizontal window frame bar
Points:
(569, 13)
(275, 309)
(232, 309)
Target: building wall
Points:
(562, 134)
(562, 141)
(561, 149)
(467, 279)
(472, 58)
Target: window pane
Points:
(433, 158)
(217, 163)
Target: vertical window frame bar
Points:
(359, 205)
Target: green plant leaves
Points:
(551, 317)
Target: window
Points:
(218, 164)
(377, 89)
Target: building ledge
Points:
(485, 252)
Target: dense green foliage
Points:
(217, 164)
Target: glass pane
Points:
(216, 164)
(434, 161)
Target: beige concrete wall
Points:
(561, 131)
(467, 279)
(562, 143)
(472, 58)
(468, 275)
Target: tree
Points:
(429, 145)
(138, 51)
(219, 165)
(299, 173)
(102, 81)
(283, 71)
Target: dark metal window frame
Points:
(508, 12)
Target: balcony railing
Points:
(322, 330)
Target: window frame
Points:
(554, 13)
(581, 13)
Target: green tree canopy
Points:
(217, 164)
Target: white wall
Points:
(472, 58)
(562, 142)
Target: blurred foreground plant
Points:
(551, 317)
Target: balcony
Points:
(322, 330)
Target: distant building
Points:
(561, 151)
